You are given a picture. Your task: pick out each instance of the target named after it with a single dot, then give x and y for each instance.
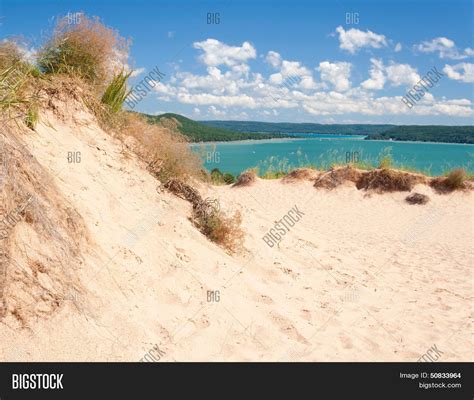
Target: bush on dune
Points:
(219, 178)
(87, 49)
(389, 180)
(229, 178)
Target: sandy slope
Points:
(357, 278)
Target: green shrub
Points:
(229, 178)
(217, 177)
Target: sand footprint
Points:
(286, 327)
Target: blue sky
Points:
(297, 61)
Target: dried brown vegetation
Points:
(300, 174)
(455, 180)
(337, 176)
(388, 180)
(246, 178)
(87, 49)
(166, 152)
(209, 219)
(417, 198)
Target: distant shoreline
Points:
(292, 139)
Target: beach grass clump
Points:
(417, 198)
(388, 180)
(455, 180)
(246, 178)
(386, 162)
(116, 93)
(300, 174)
(336, 177)
(18, 85)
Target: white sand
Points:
(358, 278)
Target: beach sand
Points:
(360, 277)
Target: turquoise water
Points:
(285, 154)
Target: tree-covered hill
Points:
(198, 132)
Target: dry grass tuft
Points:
(209, 219)
(246, 178)
(456, 180)
(417, 198)
(166, 153)
(300, 174)
(337, 176)
(388, 180)
(9, 54)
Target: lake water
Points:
(324, 150)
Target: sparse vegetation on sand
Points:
(417, 198)
(246, 178)
(388, 180)
(454, 180)
(208, 217)
(18, 92)
(219, 178)
(337, 176)
(300, 174)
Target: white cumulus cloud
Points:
(377, 77)
(338, 74)
(460, 72)
(273, 58)
(446, 48)
(354, 39)
(218, 53)
(402, 74)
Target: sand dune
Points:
(359, 277)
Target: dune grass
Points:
(18, 89)
(454, 180)
(116, 93)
